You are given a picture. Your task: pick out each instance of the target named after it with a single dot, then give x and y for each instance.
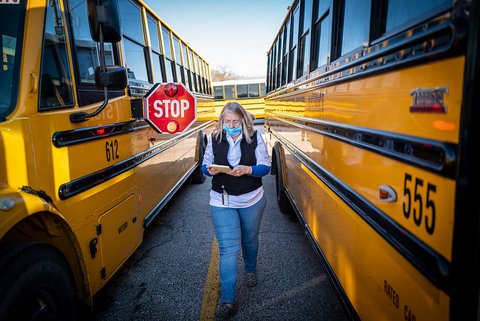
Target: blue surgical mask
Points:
(232, 131)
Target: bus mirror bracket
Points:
(104, 20)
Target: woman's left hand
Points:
(240, 170)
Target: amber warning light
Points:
(170, 108)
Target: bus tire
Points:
(282, 199)
(35, 283)
(197, 176)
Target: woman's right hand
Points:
(212, 171)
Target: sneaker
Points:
(225, 310)
(251, 279)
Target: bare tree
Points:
(223, 73)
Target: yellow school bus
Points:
(372, 121)
(81, 173)
(249, 93)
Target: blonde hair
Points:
(246, 118)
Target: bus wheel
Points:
(282, 198)
(35, 283)
(197, 176)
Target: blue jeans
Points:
(235, 226)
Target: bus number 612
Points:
(418, 202)
(111, 150)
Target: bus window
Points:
(253, 90)
(192, 70)
(304, 43)
(292, 64)
(356, 24)
(218, 92)
(321, 32)
(135, 61)
(170, 67)
(279, 47)
(285, 55)
(262, 89)
(401, 11)
(242, 91)
(197, 73)
(178, 60)
(155, 46)
(56, 80)
(11, 39)
(134, 41)
(230, 92)
(186, 65)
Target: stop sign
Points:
(170, 108)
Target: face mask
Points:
(232, 131)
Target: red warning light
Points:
(171, 90)
(100, 131)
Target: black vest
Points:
(231, 184)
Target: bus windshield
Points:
(12, 15)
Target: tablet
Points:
(220, 168)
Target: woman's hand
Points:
(212, 171)
(240, 170)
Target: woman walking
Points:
(237, 199)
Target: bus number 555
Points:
(418, 202)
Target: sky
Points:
(235, 35)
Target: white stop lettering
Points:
(170, 108)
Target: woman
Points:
(236, 199)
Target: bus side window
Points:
(242, 91)
(157, 58)
(230, 92)
(56, 79)
(399, 12)
(170, 64)
(134, 41)
(253, 90)
(356, 25)
(218, 92)
(321, 35)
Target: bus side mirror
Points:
(111, 77)
(104, 17)
(104, 21)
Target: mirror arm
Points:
(81, 116)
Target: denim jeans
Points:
(234, 227)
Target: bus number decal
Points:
(111, 150)
(418, 202)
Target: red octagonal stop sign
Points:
(170, 108)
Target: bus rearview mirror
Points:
(111, 77)
(104, 19)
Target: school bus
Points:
(249, 93)
(372, 124)
(81, 173)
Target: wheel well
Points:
(51, 229)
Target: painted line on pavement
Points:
(210, 290)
